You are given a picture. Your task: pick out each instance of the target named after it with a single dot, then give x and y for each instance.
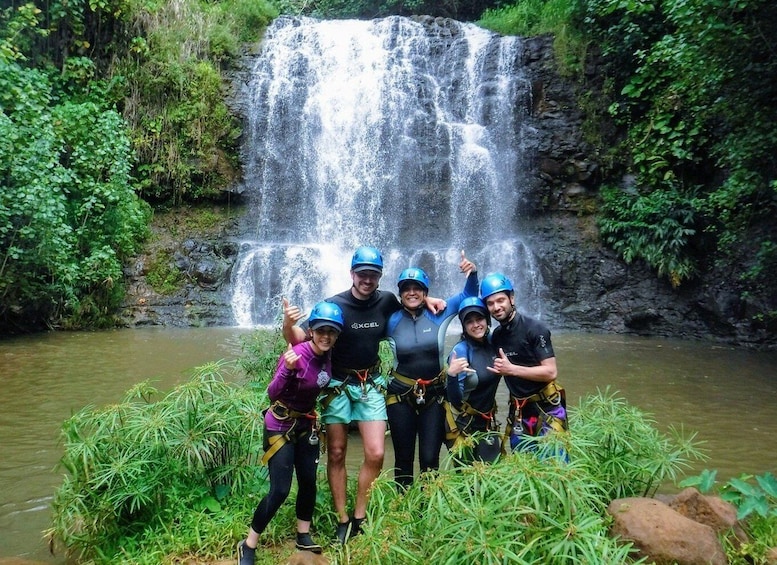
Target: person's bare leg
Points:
(303, 526)
(336, 446)
(374, 438)
(252, 539)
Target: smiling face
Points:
(475, 325)
(323, 338)
(412, 295)
(501, 306)
(364, 283)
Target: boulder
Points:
(710, 510)
(663, 535)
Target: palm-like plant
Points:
(127, 462)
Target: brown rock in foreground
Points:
(663, 535)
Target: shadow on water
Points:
(724, 394)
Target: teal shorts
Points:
(348, 406)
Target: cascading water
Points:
(389, 133)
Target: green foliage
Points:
(184, 134)
(463, 10)
(148, 481)
(261, 351)
(161, 62)
(623, 451)
(538, 17)
(69, 215)
(69, 166)
(527, 508)
(519, 510)
(755, 499)
(152, 478)
(759, 497)
(656, 227)
(16, 27)
(697, 80)
(139, 470)
(163, 275)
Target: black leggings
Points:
(406, 422)
(300, 456)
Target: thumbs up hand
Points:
(502, 364)
(465, 265)
(291, 314)
(290, 358)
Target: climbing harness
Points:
(461, 423)
(283, 413)
(362, 377)
(418, 388)
(551, 395)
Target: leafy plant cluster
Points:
(462, 10)
(69, 216)
(694, 85)
(528, 507)
(537, 17)
(755, 498)
(138, 470)
(163, 61)
(185, 137)
(149, 480)
(101, 103)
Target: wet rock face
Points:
(203, 263)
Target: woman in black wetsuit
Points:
(417, 387)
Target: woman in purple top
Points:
(291, 428)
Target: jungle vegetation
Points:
(110, 108)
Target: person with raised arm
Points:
(291, 428)
(416, 391)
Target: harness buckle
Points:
(280, 411)
(313, 439)
(555, 398)
(362, 376)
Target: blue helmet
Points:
(473, 304)
(493, 283)
(413, 274)
(326, 314)
(367, 258)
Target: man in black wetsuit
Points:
(527, 361)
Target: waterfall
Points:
(392, 133)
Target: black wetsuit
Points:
(418, 344)
(526, 342)
(472, 398)
(365, 326)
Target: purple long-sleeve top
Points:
(299, 388)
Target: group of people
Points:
(332, 361)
